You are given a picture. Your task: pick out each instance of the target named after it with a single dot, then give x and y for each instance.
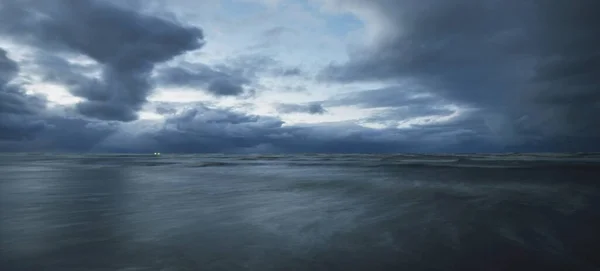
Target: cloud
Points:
(291, 71)
(532, 62)
(8, 68)
(309, 108)
(56, 68)
(126, 43)
(26, 124)
(235, 77)
(165, 110)
(439, 76)
(276, 32)
(74, 134)
(62, 134)
(391, 96)
(16, 127)
(201, 128)
(216, 82)
(255, 65)
(396, 105)
(17, 109)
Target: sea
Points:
(300, 212)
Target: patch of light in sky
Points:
(237, 27)
(275, 96)
(276, 90)
(179, 95)
(17, 53)
(373, 125)
(82, 60)
(337, 114)
(55, 94)
(432, 119)
(147, 115)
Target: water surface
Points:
(299, 212)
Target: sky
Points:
(299, 76)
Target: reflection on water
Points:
(198, 213)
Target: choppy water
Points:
(299, 212)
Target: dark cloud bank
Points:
(525, 70)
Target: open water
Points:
(300, 212)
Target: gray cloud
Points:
(127, 44)
(254, 65)
(62, 135)
(291, 71)
(165, 110)
(208, 129)
(397, 104)
(275, 32)
(8, 68)
(74, 134)
(524, 71)
(27, 125)
(235, 77)
(532, 62)
(271, 37)
(202, 128)
(216, 82)
(57, 69)
(407, 113)
(310, 108)
(18, 127)
(392, 96)
(17, 109)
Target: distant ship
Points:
(157, 154)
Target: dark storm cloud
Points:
(533, 62)
(8, 68)
(56, 69)
(309, 108)
(27, 125)
(17, 109)
(18, 127)
(74, 134)
(128, 44)
(61, 134)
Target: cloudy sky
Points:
(274, 76)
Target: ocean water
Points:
(300, 212)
